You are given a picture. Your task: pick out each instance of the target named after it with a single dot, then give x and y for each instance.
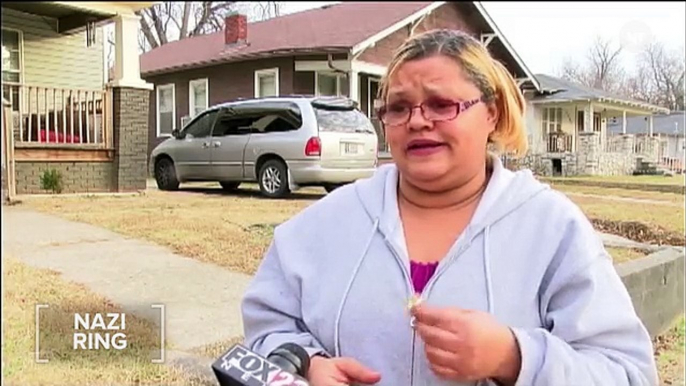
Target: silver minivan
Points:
(282, 143)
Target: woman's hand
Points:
(465, 345)
(340, 372)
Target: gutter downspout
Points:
(329, 59)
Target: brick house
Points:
(59, 111)
(339, 49)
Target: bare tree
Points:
(602, 69)
(664, 70)
(264, 10)
(171, 20)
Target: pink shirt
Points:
(421, 273)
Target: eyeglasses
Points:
(433, 110)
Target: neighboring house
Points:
(568, 135)
(670, 130)
(62, 113)
(339, 49)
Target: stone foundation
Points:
(77, 177)
(551, 164)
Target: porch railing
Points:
(52, 115)
(559, 142)
(673, 164)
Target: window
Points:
(339, 120)
(197, 96)
(166, 109)
(267, 83)
(552, 120)
(11, 66)
(201, 127)
(272, 118)
(328, 84)
(596, 122)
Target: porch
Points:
(59, 114)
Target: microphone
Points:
(287, 365)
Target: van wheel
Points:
(273, 179)
(228, 186)
(165, 175)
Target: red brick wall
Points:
(448, 16)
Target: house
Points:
(567, 127)
(62, 112)
(337, 50)
(669, 128)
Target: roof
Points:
(319, 28)
(673, 123)
(348, 27)
(559, 90)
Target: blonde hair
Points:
(493, 80)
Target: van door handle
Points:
(216, 144)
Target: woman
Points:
(513, 285)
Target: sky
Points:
(545, 33)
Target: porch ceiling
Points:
(69, 18)
(75, 15)
(610, 105)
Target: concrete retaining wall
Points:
(656, 286)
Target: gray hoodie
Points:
(336, 280)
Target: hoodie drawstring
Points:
(487, 274)
(337, 342)
(489, 290)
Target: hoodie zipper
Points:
(427, 289)
(411, 292)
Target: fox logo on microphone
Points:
(254, 370)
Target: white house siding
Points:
(54, 60)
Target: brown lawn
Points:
(24, 287)
(233, 230)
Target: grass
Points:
(622, 255)
(232, 230)
(677, 180)
(24, 287)
(669, 354)
(667, 198)
(215, 350)
(667, 217)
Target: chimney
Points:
(235, 29)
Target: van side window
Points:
(228, 124)
(202, 126)
(259, 119)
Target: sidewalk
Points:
(202, 301)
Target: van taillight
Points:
(313, 147)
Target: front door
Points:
(192, 153)
(229, 138)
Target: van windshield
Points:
(342, 120)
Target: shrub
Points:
(51, 180)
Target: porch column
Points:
(127, 62)
(588, 118)
(624, 122)
(354, 87)
(650, 125)
(130, 104)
